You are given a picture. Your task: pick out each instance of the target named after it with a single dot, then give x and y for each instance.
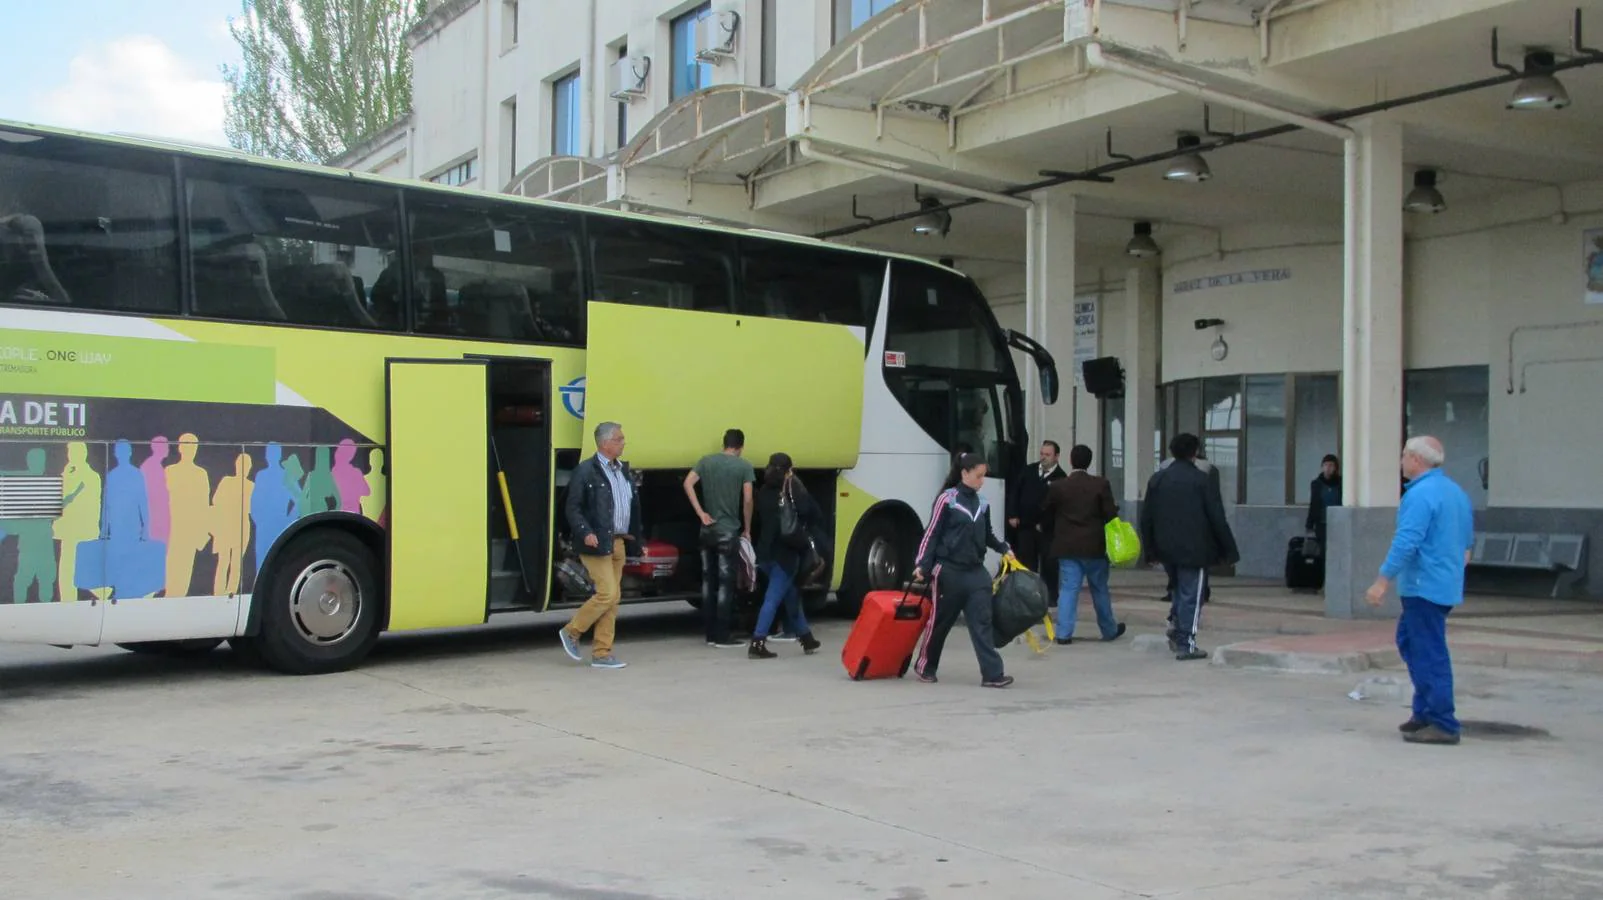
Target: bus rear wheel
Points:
(320, 611)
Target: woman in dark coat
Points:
(780, 558)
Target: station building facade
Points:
(1300, 227)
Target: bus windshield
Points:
(949, 366)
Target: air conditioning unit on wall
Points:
(626, 80)
(715, 36)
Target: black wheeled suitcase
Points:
(1305, 564)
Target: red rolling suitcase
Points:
(885, 636)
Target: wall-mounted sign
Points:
(1256, 276)
(1085, 334)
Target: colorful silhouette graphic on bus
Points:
(295, 484)
(231, 526)
(79, 520)
(271, 503)
(36, 546)
(348, 478)
(377, 492)
(132, 563)
(153, 468)
(188, 493)
(322, 493)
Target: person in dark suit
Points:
(1032, 535)
(1183, 526)
(1079, 508)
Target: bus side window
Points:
(669, 266)
(86, 225)
(787, 281)
(515, 271)
(284, 247)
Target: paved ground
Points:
(485, 765)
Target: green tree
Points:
(318, 76)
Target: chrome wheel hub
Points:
(884, 566)
(325, 602)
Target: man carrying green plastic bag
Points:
(1124, 545)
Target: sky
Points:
(150, 67)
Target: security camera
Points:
(1208, 323)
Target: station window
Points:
(282, 247)
(461, 173)
(689, 73)
(851, 14)
(655, 265)
(496, 271)
(1264, 433)
(565, 119)
(1452, 404)
(85, 226)
(789, 282)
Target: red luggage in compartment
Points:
(885, 636)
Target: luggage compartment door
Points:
(439, 456)
(677, 379)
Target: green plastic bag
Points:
(1124, 545)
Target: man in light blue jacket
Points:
(1435, 535)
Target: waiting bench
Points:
(1564, 554)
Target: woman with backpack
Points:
(785, 513)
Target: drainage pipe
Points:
(807, 150)
(1095, 58)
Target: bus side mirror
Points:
(1044, 364)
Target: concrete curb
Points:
(1262, 655)
(1248, 656)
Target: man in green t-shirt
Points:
(724, 509)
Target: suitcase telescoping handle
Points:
(913, 587)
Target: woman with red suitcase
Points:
(952, 557)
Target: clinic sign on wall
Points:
(1085, 335)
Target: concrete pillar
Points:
(1372, 368)
(1141, 351)
(1372, 327)
(1049, 310)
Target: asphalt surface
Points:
(485, 764)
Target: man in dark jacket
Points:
(1031, 529)
(603, 512)
(1079, 509)
(1325, 492)
(1183, 526)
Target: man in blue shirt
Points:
(1435, 535)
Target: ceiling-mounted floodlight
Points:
(1539, 89)
(1191, 167)
(1424, 198)
(935, 221)
(1142, 246)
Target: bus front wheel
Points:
(880, 559)
(321, 608)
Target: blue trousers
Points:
(1422, 643)
(781, 590)
(1095, 571)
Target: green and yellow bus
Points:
(292, 407)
